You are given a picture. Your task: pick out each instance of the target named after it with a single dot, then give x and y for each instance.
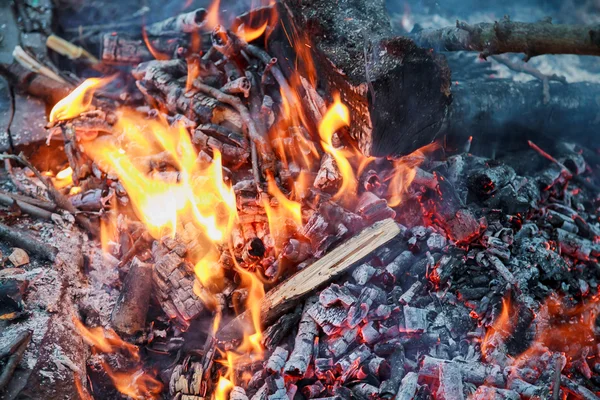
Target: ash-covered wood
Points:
(300, 357)
(129, 315)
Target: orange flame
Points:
(226, 382)
(136, 384)
(405, 170)
(212, 16)
(105, 340)
(155, 53)
(78, 101)
(281, 216)
(337, 117)
(502, 327)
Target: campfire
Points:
(231, 209)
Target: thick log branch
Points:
(506, 36)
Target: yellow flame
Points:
(337, 117)
(63, 178)
(78, 101)
(197, 194)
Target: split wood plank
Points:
(285, 296)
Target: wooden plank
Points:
(305, 282)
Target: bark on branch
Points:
(506, 36)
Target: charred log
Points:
(508, 36)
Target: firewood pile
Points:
(218, 227)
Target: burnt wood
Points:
(397, 92)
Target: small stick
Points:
(29, 243)
(11, 348)
(43, 204)
(15, 359)
(140, 242)
(27, 208)
(549, 157)
(236, 103)
(531, 70)
(61, 200)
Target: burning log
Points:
(129, 314)
(306, 281)
(508, 36)
(366, 65)
(174, 281)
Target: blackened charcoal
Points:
(408, 387)
(389, 388)
(338, 345)
(418, 232)
(551, 265)
(485, 182)
(383, 311)
(238, 393)
(323, 365)
(385, 348)
(492, 393)
(436, 242)
(336, 294)
(445, 267)
(408, 296)
(370, 333)
(297, 364)
(450, 382)
(497, 247)
(262, 393)
(364, 391)
(379, 367)
(527, 390)
(360, 354)
(360, 309)
(471, 371)
(415, 319)
(314, 390)
(363, 273)
(335, 315)
(276, 387)
(277, 360)
(275, 333)
(576, 246)
(343, 392)
(401, 264)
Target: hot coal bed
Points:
(247, 208)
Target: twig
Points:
(236, 103)
(531, 70)
(43, 204)
(140, 242)
(27, 208)
(549, 157)
(29, 243)
(15, 359)
(61, 200)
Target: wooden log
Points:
(506, 36)
(397, 93)
(285, 296)
(129, 313)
